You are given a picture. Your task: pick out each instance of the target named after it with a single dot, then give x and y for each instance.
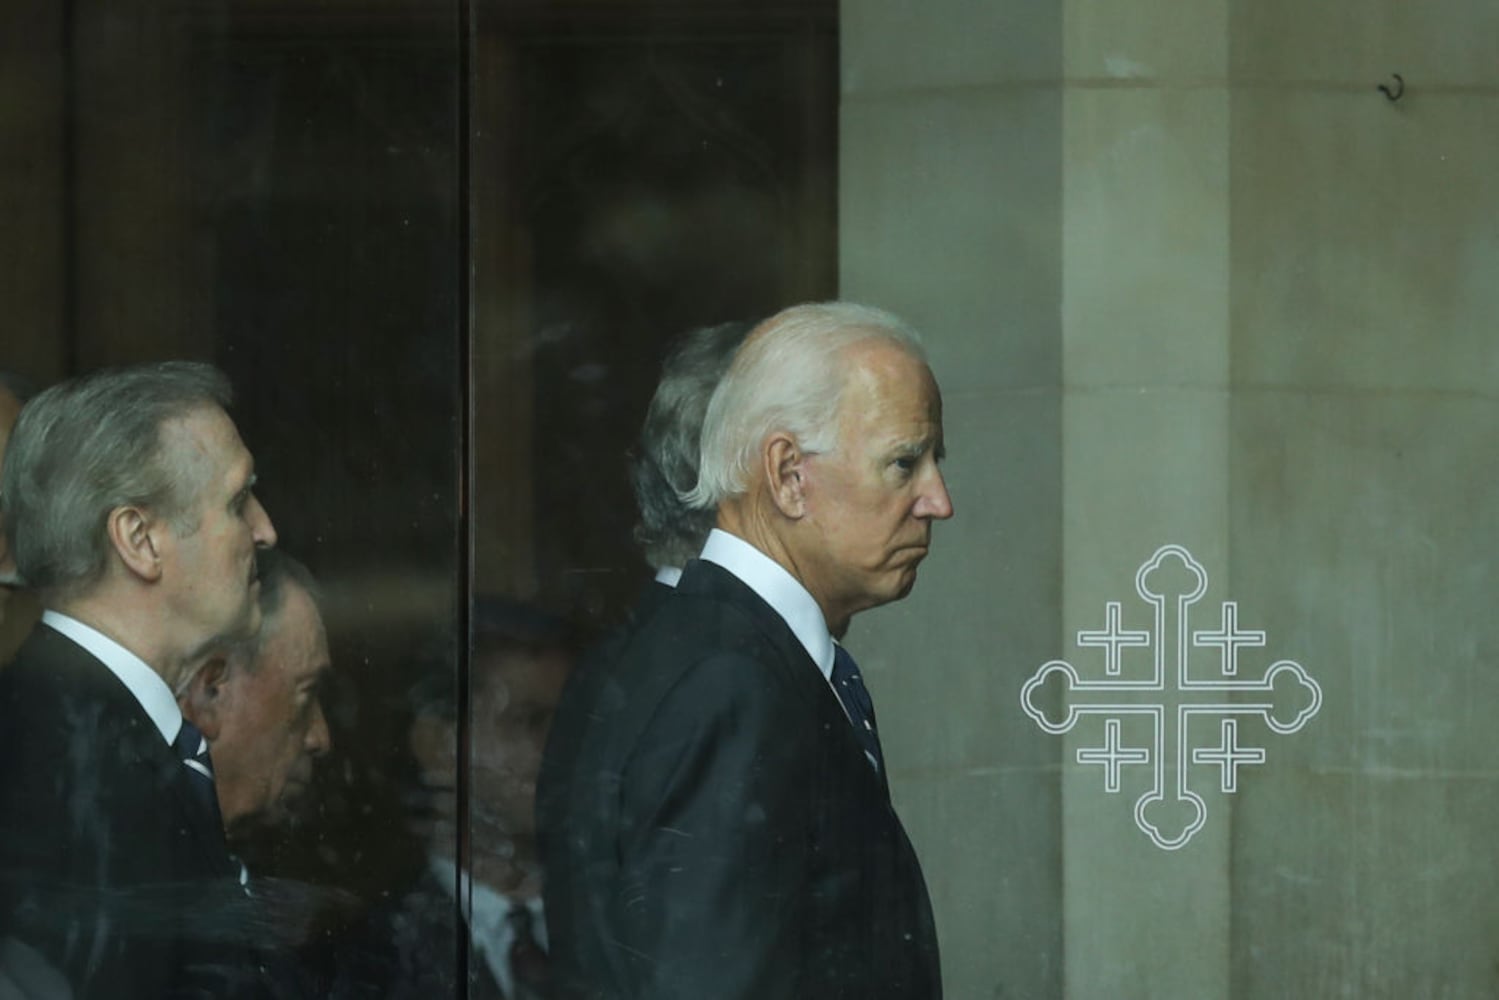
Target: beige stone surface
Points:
(1145, 258)
(1357, 44)
(1142, 923)
(990, 844)
(900, 47)
(1142, 467)
(949, 214)
(1365, 247)
(1146, 40)
(1375, 541)
(1365, 885)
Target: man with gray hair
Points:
(260, 705)
(664, 467)
(127, 501)
(729, 832)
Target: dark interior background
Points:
(440, 249)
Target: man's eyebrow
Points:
(919, 447)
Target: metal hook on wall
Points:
(1398, 92)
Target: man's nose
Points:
(319, 739)
(261, 528)
(935, 502)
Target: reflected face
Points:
(271, 722)
(514, 697)
(871, 501)
(208, 560)
(10, 409)
(512, 714)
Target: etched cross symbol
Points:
(1229, 638)
(1285, 697)
(1111, 755)
(1112, 638)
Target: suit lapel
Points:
(711, 581)
(140, 744)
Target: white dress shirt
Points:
(144, 684)
(778, 588)
(488, 919)
(786, 597)
(669, 575)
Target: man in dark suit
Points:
(127, 501)
(260, 707)
(727, 830)
(480, 877)
(663, 469)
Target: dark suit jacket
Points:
(408, 950)
(723, 834)
(572, 718)
(110, 868)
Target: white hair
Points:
(788, 376)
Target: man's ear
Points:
(784, 466)
(203, 701)
(134, 535)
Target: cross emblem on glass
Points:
(1189, 715)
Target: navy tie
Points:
(850, 689)
(192, 749)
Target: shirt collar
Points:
(144, 684)
(778, 588)
(669, 575)
(487, 911)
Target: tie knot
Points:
(189, 744)
(192, 750)
(845, 670)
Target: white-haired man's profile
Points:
(729, 782)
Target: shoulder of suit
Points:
(55, 695)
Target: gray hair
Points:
(664, 468)
(86, 447)
(277, 570)
(789, 376)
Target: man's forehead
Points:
(892, 388)
(205, 431)
(297, 638)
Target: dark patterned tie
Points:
(192, 750)
(850, 689)
(528, 961)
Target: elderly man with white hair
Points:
(728, 831)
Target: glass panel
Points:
(274, 189)
(1189, 698)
